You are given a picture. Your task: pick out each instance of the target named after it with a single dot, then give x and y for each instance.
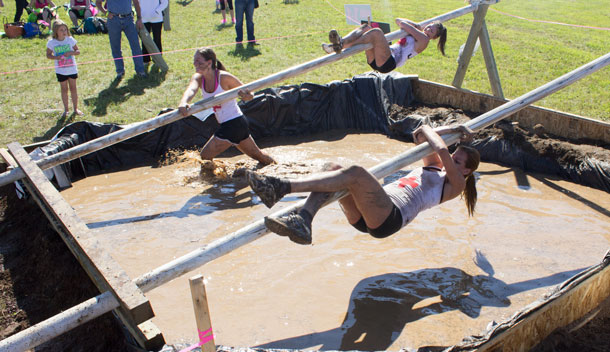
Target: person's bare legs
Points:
(380, 52)
(213, 147)
(64, 97)
(249, 147)
(366, 199)
(369, 197)
(74, 95)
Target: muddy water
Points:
(441, 278)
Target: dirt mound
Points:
(39, 277)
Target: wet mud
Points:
(441, 278)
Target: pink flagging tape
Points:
(203, 339)
(550, 22)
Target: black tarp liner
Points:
(361, 103)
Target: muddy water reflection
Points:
(443, 277)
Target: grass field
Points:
(528, 54)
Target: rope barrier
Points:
(163, 52)
(549, 22)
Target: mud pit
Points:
(441, 278)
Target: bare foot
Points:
(78, 112)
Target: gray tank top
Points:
(419, 190)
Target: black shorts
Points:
(223, 6)
(388, 66)
(62, 78)
(78, 13)
(234, 130)
(391, 225)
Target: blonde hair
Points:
(55, 27)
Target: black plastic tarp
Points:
(361, 103)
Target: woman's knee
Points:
(355, 173)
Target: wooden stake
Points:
(202, 314)
(151, 47)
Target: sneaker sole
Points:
(261, 188)
(335, 40)
(279, 228)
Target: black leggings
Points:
(155, 29)
(224, 7)
(391, 225)
(21, 5)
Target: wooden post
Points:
(490, 62)
(169, 117)
(202, 314)
(151, 47)
(475, 29)
(166, 22)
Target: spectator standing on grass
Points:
(120, 19)
(62, 49)
(79, 9)
(152, 17)
(244, 7)
(20, 6)
(223, 11)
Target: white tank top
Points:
(419, 190)
(225, 111)
(402, 53)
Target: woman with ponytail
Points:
(212, 78)
(369, 207)
(384, 57)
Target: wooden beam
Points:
(151, 47)
(99, 265)
(566, 306)
(202, 314)
(475, 29)
(490, 62)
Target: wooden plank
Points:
(565, 309)
(166, 22)
(202, 314)
(8, 158)
(559, 123)
(99, 265)
(475, 29)
(490, 62)
(151, 47)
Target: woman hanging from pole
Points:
(384, 57)
(211, 76)
(369, 207)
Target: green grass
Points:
(527, 54)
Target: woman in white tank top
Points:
(383, 57)
(212, 78)
(369, 207)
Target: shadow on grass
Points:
(59, 124)
(115, 94)
(184, 2)
(245, 53)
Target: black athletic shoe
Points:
(292, 225)
(335, 40)
(269, 189)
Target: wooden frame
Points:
(134, 308)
